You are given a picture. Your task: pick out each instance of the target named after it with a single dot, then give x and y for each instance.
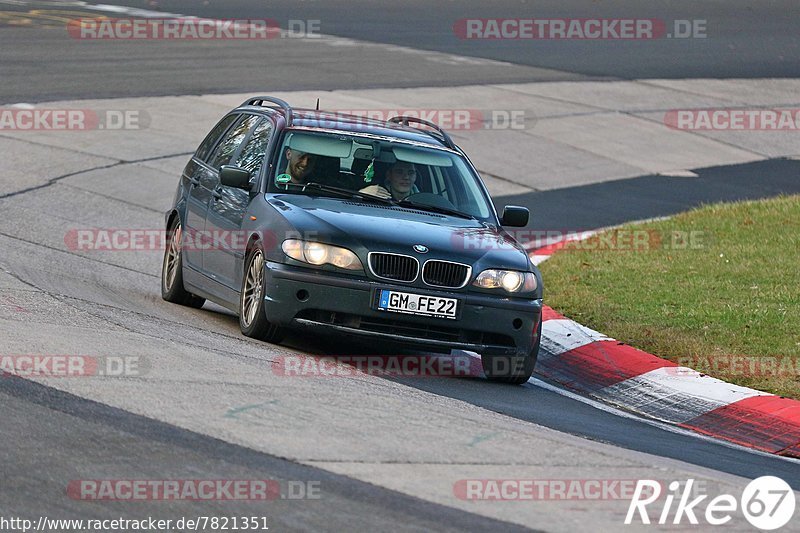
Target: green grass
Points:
(727, 305)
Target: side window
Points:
(252, 155)
(212, 138)
(224, 152)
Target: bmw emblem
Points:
(420, 249)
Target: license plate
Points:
(417, 304)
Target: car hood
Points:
(370, 227)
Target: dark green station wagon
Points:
(304, 219)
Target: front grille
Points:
(393, 266)
(446, 274)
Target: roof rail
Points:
(443, 136)
(288, 113)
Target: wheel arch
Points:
(242, 260)
(171, 216)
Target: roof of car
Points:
(331, 120)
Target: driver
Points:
(300, 164)
(399, 182)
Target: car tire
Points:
(252, 318)
(172, 289)
(511, 369)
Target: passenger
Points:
(399, 182)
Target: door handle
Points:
(216, 194)
(193, 181)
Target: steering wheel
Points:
(431, 199)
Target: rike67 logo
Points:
(767, 503)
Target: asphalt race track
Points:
(385, 453)
(42, 65)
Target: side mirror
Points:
(236, 177)
(515, 216)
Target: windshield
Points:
(378, 168)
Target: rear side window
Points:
(212, 138)
(252, 155)
(230, 143)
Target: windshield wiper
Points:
(435, 208)
(347, 193)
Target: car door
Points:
(199, 196)
(228, 207)
(207, 181)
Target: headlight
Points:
(508, 280)
(316, 253)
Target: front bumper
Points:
(306, 298)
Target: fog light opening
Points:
(517, 323)
(303, 295)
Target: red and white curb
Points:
(602, 368)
